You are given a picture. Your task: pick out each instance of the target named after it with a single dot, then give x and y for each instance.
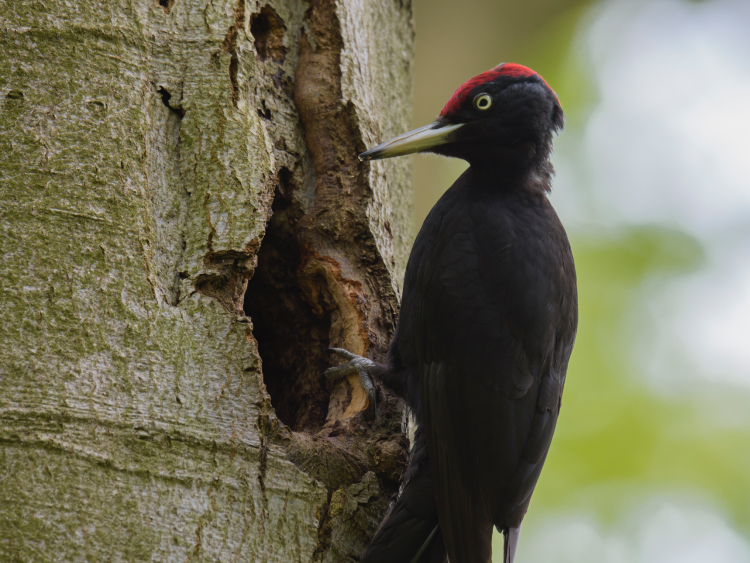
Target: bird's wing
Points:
(487, 343)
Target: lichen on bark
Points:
(145, 149)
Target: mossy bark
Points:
(145, 149)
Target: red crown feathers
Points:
(505, 69)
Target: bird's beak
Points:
(414, 141)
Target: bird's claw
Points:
(359, 366)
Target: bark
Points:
(185, 230)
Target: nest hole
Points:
(292, 339)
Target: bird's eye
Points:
(483, 101)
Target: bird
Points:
(487, 325)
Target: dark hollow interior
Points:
(292, 340)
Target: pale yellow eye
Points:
(483, 101)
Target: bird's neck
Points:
(503, 177)
(523, 165)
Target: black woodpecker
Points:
(488, 321)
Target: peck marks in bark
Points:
(268, 30)
(227, 282)
(341, 264)
(229, 45)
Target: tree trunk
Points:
(186, 229)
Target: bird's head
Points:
(503, 117)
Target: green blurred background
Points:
(651, 458)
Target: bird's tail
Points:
(410, 532)
(511, 542)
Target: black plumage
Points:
(487, 325)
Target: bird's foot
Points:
(357, 365)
